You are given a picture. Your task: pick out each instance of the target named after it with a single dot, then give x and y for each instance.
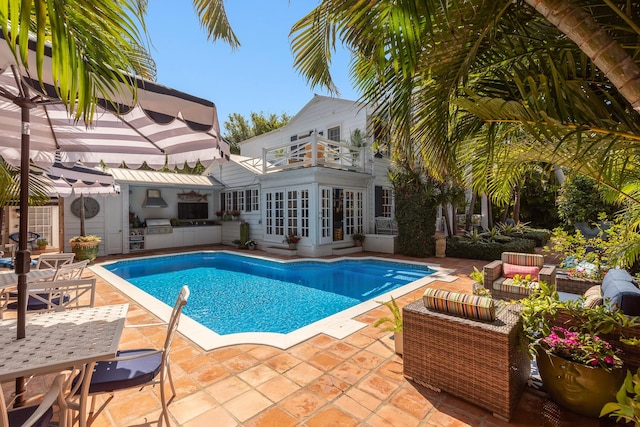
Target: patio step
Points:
(281, 251)
(345, 251)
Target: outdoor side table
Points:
(62, 340)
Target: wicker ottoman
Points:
(476, 361)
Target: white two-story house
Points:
(316, 177)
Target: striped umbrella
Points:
(163, 126)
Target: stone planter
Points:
(292, 245)
(85, 250)
(441, 246)
(579, 388)
(398, 342)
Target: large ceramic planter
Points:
(85, 250)
(579, 388)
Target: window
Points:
(240, 200)
(383, 201)
(253, 200)
(334, 133)
(353, 212)
(387, 202)
(287, 211)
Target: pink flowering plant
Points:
(581, 342)
(586, 349)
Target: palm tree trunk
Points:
(516, 203)
(603, 50)
(468, 221)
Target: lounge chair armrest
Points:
(492, 272)
(548, 274)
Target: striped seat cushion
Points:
(592, 297)
(532, 260)
(465, 305)
(506, 285)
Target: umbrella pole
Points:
(82, 229)
(23, 259)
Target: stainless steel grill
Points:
(159, 226)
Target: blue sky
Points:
(259, 76)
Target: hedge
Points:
(460, 247)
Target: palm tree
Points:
(416, 60)
(94, 43)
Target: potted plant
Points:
(235, 214)
(236, 242)
(478, 283)
(251, 245)
(292, 240)
(219, 214)
(393, 323)
(85, 247)
(42, 244)
(580, 371)
(358, 238)
(627, 404)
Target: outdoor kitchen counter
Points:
(185, 236)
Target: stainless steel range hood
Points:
(154, 200)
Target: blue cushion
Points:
(36, 304)
(118, 375)
(19, 416)
(619, 289)
(616, 274)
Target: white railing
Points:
(313, 151)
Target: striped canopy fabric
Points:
(163, 125)
(80, 180)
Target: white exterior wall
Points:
(320, 114)
(236, 177)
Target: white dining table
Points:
(62, 340)
(9, 279)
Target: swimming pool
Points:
(237, 295)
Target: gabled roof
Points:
(134, 176)
(316, 98)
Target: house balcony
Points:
(311, 150)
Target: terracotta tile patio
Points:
(356, 381)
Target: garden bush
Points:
(461, 247)
(415, 201)
(539, 235)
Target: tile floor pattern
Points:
(356, 381)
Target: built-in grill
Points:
(159, 226)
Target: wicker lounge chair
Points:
(502, 287)
(477, 361)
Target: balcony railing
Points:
(313, 150)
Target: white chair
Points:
(138, 367)
(58, 295)
(70, 271)
(40, 415)
(385, 225)
(8, 255)
(54, 260)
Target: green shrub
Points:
(539, 235)
(415, 212)
(460, 247)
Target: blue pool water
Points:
(233, 293)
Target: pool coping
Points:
(338, 325)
